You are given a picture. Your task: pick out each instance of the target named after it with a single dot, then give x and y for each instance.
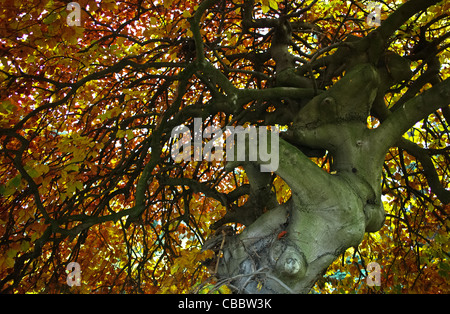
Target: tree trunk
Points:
(287, 249)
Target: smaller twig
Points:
(220, 253)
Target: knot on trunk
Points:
(288, 260)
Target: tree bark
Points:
(288, 248)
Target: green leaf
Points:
(24, 246)
(121, 134)
(6, 107)
(32, 172)
(50, 18)
(130, 134)
(72, 167)
(79, 185)
(11, 253)
(6, 190)
(15, 182)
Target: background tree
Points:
(87, 174)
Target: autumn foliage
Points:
(86, 114)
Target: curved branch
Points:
(293, 166)
(411, 112)
(402, 15)
(428, 167)
(430, 74)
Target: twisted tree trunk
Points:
(288, 248)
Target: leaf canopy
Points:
(86, 114)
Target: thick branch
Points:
(432, 73)
(276, 93)
(412, 112)
(402, 15)
(195, 28)
(428, 167)
(293, 166)
(196, 186)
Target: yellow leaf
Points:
(205, 255)
(9, 262)
(224, 290)
(11, 253)
(130, 134)
(273, 4)
(167, 3)
(259, 286)
(174, 269)
(110, 5)
(121, 134)
(42, 169)
(153, 21)
(173, 289)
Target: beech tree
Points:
(356, 92)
